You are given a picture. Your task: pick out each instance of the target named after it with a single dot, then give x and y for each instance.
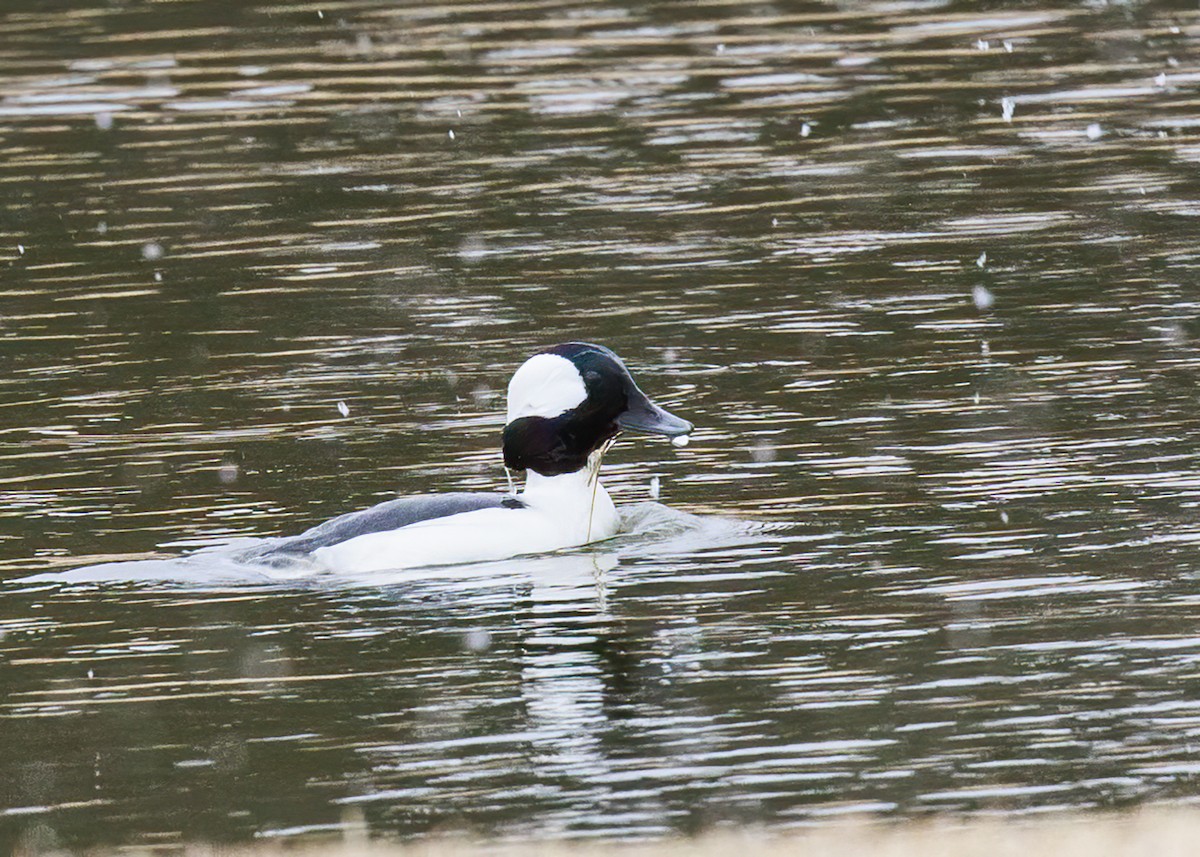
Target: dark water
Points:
(924, 274)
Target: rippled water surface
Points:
(923, 273)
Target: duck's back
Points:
(384, 517)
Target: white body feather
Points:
(561, 512)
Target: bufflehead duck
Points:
(566, 406)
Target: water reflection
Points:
(922, 275)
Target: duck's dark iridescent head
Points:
(568, 401)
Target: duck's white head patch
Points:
(546, 385)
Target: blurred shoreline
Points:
(1156, 831)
